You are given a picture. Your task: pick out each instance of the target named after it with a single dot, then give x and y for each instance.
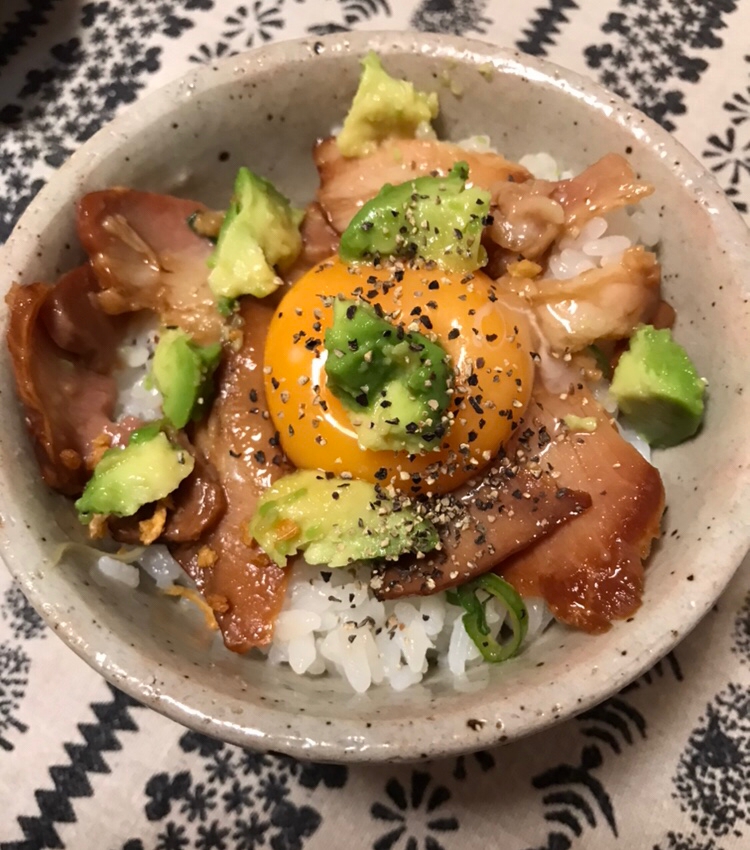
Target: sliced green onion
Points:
(475, 618)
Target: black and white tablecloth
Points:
(663, 765)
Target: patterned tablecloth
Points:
(663, 765)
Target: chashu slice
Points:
(242, 586)
(590, 571)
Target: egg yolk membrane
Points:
(486, 338)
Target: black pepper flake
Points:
(381, 474)
(351, 311)
(472, 436)
(274, 383)
(411, 427)
(353, 344)
(260, 456)
(517, 494)
(398, 275)
(453, 333)
(312, 343)
(480, 362)
(234, 454)
(544, 437)
(433, 284)
(386, 403)
(457, 233)
(253, 395)
(426, 321)
(366, 225)
(335, 495)
(475, 402)
(491, 337)
(472, 380)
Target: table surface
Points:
(665, 764)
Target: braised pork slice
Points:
(590, 571)
(502, 511)
(146, 257)
(599, 304)
(607, 185)
(67, 404)
(346, 184)
(319, 242)
(244, 588)
(528, 217)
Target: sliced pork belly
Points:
(590, 570)
(530, 216)
(67, 404)
(146, 257)
(599, 304)
(504, 510)
(346, 184)
(244, 588)
(607, 185)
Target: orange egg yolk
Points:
(487, 339)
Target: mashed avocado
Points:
(149, 468)
(394, 385)
(658, 389)
(383, 107)
(336, 521)
(431, 218)
(260, 232)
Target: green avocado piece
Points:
(432, 218)
(394, 385)
(658, 389)
(383, 107)
(260, 231)
(182, 371)
(336, 521)
(149, 468)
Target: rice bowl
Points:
(495, 706)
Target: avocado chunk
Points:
(394, 385)
(335, 521)
(182, 371)
(260, 231)
(435, 219)
(383, 107)
(149, 468)
(658, 389)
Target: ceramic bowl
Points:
(265, 109)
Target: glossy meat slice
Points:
(76, 323)
(599, 304)
(590, 571)
(529, 217)
(501, 512)
(245, 590)
(526, 220)
(319, 242)
(66, 403)
(608, 184)
(146, 257)
(346, 184)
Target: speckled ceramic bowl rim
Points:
(350, 740)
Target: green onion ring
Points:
(475, 619)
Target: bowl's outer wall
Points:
(265, 110)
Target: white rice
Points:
(331, 623)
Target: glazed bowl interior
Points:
(265, 110)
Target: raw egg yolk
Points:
(487, 340)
